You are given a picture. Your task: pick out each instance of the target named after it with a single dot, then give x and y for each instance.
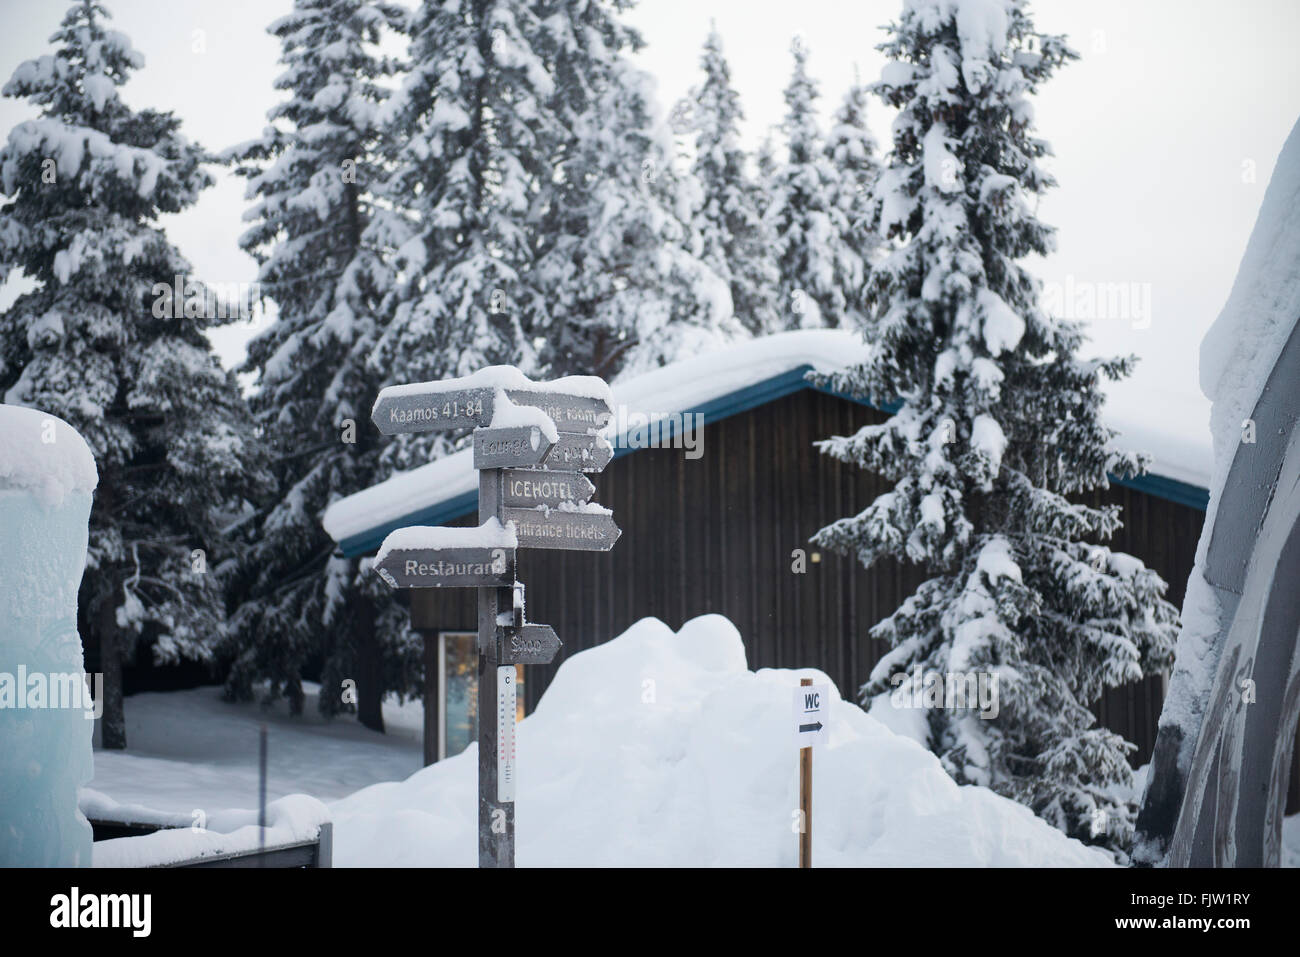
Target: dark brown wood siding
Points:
(717, 533)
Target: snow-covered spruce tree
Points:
(309, 177)
(820, 276)
(851, 150)
(468, 136)
(615, 283)
(733, 236)
(106, 341)
(998, 435)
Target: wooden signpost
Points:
(532, 494)
(811, 710)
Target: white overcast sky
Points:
(1157, 130)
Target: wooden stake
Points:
(805, 798)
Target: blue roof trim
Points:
(439, 514)
(742, 400)
(1183, 493)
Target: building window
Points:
(458, 691)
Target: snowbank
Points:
(41, 453)
(664, 749)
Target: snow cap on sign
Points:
(507, 378)
(507, 415)
(491, 534)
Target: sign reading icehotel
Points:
(527, 489)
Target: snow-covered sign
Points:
(583, 451)
(522, 488)
(529, 645)
(572, 403)
(397, 411)
(586, 528)
(423, 557)
(448, 567)
(569, 412)
(512, 447)
(812, 708)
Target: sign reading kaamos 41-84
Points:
(410, 409)
(573, 403)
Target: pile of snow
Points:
(664, 749)
(290, 820)
(41, 453)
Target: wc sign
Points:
(812, 706)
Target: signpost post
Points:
(811, 710)
(534, 487)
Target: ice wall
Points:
(47, 477)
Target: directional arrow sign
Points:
(570, 413)
(580, 451)
(409, 409)
(528, 489)
(513, 447)
(812, 707)
(470, 567)
(587, 531)
(433, 407)
(529, 645)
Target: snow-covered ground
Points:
(656, 748)
(189, 750)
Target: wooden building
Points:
(717, 529)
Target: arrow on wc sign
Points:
(812, 707)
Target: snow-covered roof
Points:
(717, 384)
